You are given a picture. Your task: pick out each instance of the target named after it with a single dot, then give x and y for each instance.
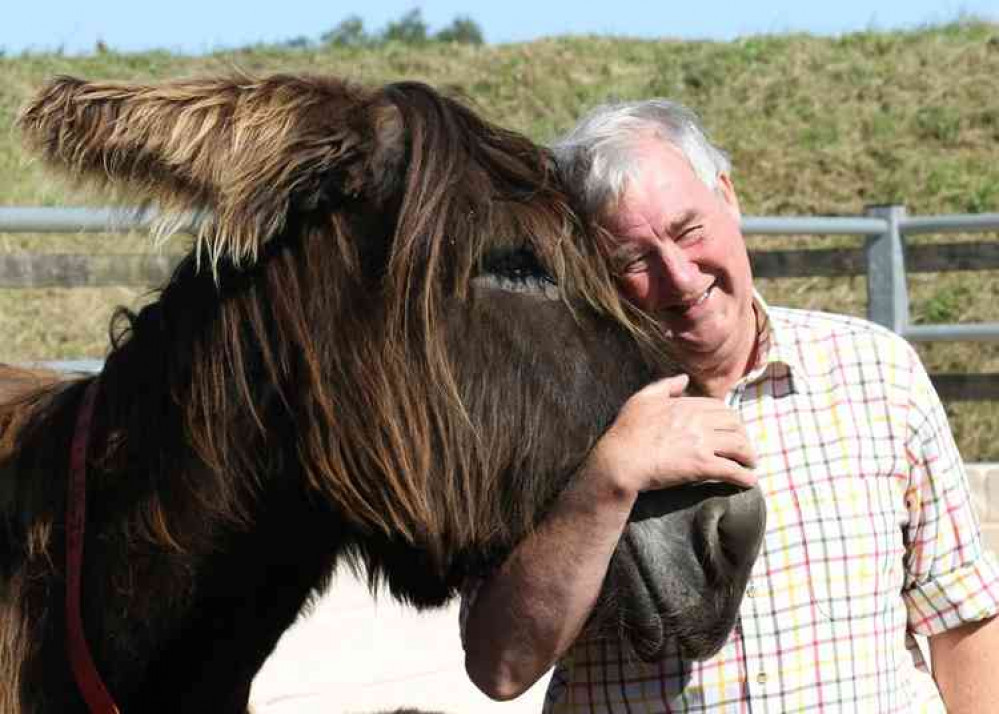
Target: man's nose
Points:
(678, 270)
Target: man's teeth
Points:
(684, 307)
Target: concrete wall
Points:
(984, 480)
(354, 654)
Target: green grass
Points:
(814, 126)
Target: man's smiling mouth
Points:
(684, 307)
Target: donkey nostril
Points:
(728, 532)
(709, 539)
(740, 528)
(733, 540)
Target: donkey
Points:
(390, 346)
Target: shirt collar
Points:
(776, 350)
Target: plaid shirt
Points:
(871, 538)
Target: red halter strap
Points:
(88, 680)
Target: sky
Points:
(200, 26)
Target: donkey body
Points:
(363, 360)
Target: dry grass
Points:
(814, 126)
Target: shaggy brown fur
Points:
(371, 370)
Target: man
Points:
(871, 538)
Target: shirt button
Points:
(761, 678)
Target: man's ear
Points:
(729, 198)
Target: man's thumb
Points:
(677, 384)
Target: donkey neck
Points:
(188, 552)
(216, 569)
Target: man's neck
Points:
(717, 379)
(715, 384)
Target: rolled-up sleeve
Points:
(952, 578)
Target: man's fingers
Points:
(738, 449)
(726, 420)
(672, 386)
(733, 472)
(677, 384)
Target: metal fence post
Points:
(887, 293)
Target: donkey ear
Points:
(244, 151)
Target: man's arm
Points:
(966, 666)
(527, 614)
(951, 578)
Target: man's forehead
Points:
(658, 170)
(620, 222)
(655, 151)
(624, 226)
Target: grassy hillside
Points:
(813, 125)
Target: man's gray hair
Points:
(599, 155)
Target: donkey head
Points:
(403, 291)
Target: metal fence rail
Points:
(885, 257)
(79, 220)
(885, 228)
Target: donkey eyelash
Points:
(519, 265)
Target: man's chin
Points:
(695, 341)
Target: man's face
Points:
(681, 257)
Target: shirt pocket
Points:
(853, 542)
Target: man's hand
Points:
(662, 439)
(529, 612)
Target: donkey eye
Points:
(518, 265)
